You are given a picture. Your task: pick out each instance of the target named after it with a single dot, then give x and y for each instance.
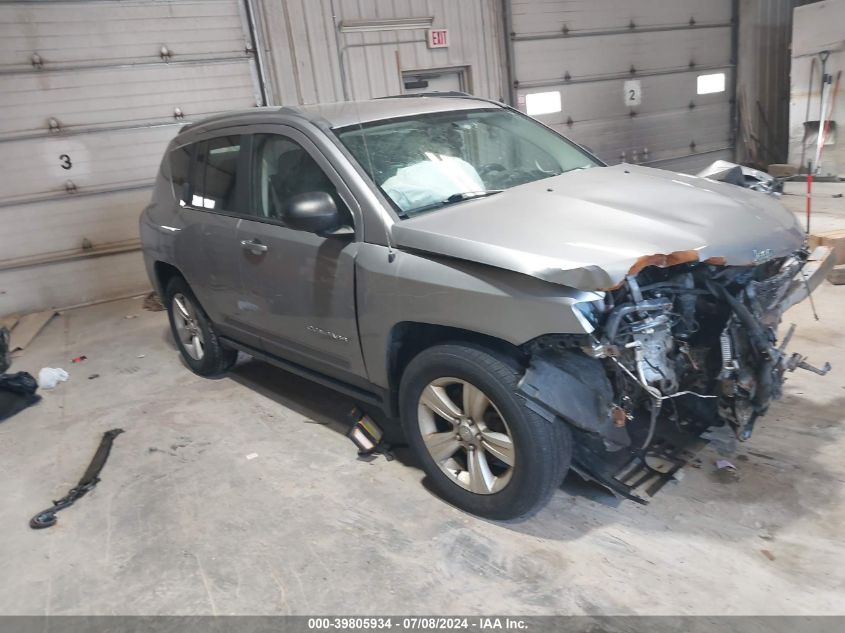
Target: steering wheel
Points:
(490, 168)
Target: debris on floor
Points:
(49, 377)
(721, 464)
(93, 376)
(363, 432)
(837, 276)
(367, 436)
(767, 554)
(5, 355)
(17, 392)
(27, 327)
(9, 322)
(251, 456)
(47, 518)
(153, 303)
(725, 472)
(79, 359)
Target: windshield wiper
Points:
(469, 195)
(455, 197)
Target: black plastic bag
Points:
(5, 357)
(17, 392)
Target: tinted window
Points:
(180, 163)
(215, 173)
(284, 169)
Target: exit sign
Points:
(438, 38)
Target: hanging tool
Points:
(807, 113)
(827, 121)
(47, 518)
(826, 81)
(824, 131)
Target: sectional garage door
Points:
(90, 93)
(627, 74)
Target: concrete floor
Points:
(184, 522)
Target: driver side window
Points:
(283, 169)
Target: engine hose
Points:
(755, 333)
(758, 340)
(611, 328)
(655, 412)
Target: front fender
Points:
(403, 286)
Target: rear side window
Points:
(215, 174)
(180, 165)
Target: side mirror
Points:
(314, 212)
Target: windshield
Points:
(429, 161)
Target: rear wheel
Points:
(482, 448)
(193, 332)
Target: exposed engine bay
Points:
(677, 349)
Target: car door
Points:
(300, 286)
(212, 203)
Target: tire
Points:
(212, 359)
(524, 472)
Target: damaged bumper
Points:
(819, 264)
(675, 351)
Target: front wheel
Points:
(482, 448)
(193, 332)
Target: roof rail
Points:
(448, 93)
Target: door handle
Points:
(253, 246)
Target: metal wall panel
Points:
(545, 16)
(538, 60)
(312, 61)
(817, 27)
(98, 161)
(60, 225)
(72, 283)
(765, 35)
(587, 49)
(670, 134)
(82, 130)
(122, 95)
(598, 100)
(68, 34)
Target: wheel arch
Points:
(408, 338)
(164, 272)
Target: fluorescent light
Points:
(388, 24)
(709, 84)
(542, 103)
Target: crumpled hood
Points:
(588, 229)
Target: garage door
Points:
(645, 81)
(90, 94)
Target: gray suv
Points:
(520, 307)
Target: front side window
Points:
(428, 161)
(283, 169)
(215, 174)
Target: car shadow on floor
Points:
(326, 407)
(316, 403)
(323, 406)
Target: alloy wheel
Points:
(470, 441)
(188, 329)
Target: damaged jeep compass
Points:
(520, 307)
